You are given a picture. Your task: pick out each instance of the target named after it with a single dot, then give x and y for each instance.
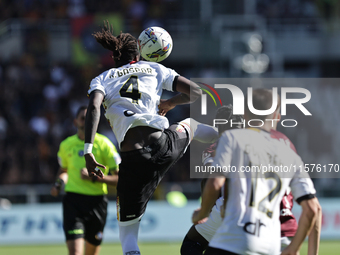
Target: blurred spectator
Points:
(136, 11)
(76, 8)
(39, 124)
(286, 9)
(3, 127)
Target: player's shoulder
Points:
(101, 137)
(277, 134)
(105, 74)
(282, 137)
(70, 139)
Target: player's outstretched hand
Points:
(164, 106)
(92, 165)
(198, 218)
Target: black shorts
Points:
(84, 217)
(141, 171)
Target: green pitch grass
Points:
(326, 248)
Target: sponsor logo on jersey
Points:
(81, 153)
(253, 228)
(129, 113)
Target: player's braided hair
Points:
(123, 46)
(226, 112)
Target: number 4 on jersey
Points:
(130, 89)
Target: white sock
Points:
(128, 236)
(200, 132)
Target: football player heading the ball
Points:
(131, 94)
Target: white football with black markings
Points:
(154, 44)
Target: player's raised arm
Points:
(189, 93)
(91, 126)
(93, 116)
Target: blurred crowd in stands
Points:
(39, 97)
(287, 9)
(141, 13)
(37, 107)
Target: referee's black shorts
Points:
(141, 171)
(84, 217)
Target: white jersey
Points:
(131, 95)
(251, 224)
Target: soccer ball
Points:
(154, 44)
